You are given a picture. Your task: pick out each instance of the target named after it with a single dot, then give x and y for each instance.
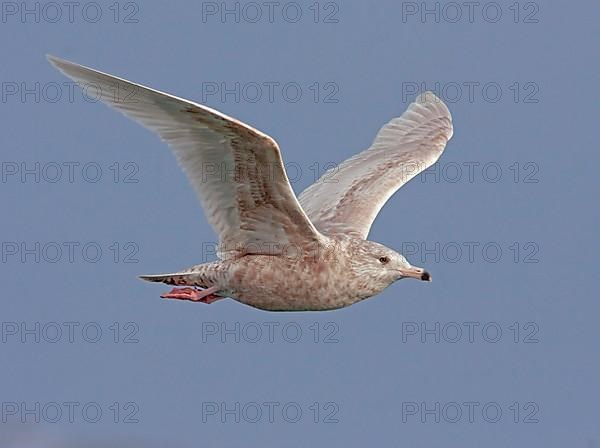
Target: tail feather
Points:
(177, 279)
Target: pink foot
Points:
(194, 295)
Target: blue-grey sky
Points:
(501, 349)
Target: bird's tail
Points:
(178, 279)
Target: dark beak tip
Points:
(426, 277)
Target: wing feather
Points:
(236, 170)
(347, 198)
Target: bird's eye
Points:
(384, 260)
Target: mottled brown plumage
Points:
(278, 252)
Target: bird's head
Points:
(383, 266)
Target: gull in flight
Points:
(278, 252)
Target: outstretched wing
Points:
(347, 198)
(237, 171)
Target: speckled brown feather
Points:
(272, 256)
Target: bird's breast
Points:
(282, 283)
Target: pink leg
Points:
(194, 295)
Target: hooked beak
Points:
(418, 273)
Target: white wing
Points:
(237, 171)
(347, 198)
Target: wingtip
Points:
(57, 62)
(52, 59)
(60, 63)
(428, 97)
